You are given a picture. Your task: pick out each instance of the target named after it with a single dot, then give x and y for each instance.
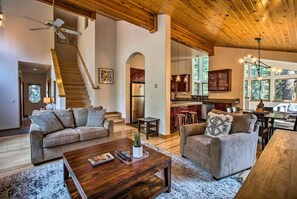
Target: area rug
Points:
(188, 181)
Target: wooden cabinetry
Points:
(137, 75)
(181, 86)
(219, 80)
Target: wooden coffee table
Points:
(115, 179)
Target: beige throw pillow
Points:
(95, 117)
(218, 124)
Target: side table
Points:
(148, 125)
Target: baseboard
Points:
(10, 129)
(165, 136)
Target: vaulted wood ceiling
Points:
(207, 23)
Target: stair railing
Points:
(86, 69)
(61, 91)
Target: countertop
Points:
(206, 101)
(184, 103)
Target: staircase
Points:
(74, 86)
(116, 117)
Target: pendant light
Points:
(178, 79)
(1, 14)
(186, 77)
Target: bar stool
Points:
(193, 115)
(186, 113)
(180, 120)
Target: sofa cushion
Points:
(80, 116)
(241, 122)
(88, 133)
(47, 122)
(65, 136)
(201, 143)
(66, 117)
(95, 117)
(218, 124)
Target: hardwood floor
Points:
(15, 150)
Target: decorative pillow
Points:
(95, 117)
(80, 116)
(218, 124)
(66, 117)
(47, 122)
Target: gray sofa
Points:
(225, 155)
(73, 135)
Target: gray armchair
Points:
(225, 155)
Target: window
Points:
(285, 89)
(246, 70)
(285, 72)
(34, 93)
(204, 89)
(260, 89)
(246, 88)
(264, 72)
(200, 76)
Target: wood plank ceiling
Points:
(203, 24)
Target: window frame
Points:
(199, 82)
(260, 80)
(40, 93)
(274, 89)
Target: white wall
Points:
(18, 43)
(156, 50)
(105, 57)
(229, 58)
(86, 46)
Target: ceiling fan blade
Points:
(38, 29)
(61, 35)
(34, 20)
(58, 23)
(71, 31)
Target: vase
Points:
(137, 152)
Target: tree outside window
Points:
(196, 69)
(204, 89)
(200, 75)
(264, 71)
(285, 89)
(204, 68)
(246, 84)
(34, 93)
(260, 89)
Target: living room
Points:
(109, 38)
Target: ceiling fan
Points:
(56, 26)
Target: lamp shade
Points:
(46, 100)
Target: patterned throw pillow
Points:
(95, 117)
(47, 122)
(218, 124)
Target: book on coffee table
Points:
(100, 159)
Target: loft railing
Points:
(59, 81)
(86, 69)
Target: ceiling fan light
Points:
(178, 79)
(254, 59)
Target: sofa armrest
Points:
(234, 152)
(36, 144)
(108, 124)
(189, 130)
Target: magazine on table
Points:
(100, 159)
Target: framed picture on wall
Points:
(105, 76)
(72, 40)
(59, 40)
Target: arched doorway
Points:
(135, 87)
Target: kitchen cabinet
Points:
(181, 86)
(219, 80)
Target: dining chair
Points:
(289, 125)
(229, 109)
(263, 129)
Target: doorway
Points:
(135, 105)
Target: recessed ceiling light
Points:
(34, 68)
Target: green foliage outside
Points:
(264, 72)
(285, 89)
(205, 68)
(196, 69)
(260, 89)
(204, 89)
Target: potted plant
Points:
(137, 147)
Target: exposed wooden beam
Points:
(121, 10)
(181, 35)
(72, 8)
